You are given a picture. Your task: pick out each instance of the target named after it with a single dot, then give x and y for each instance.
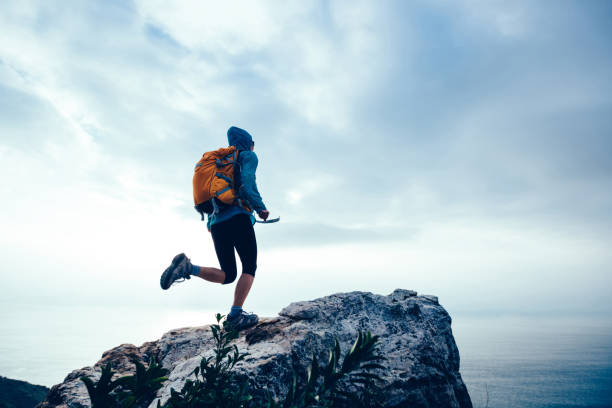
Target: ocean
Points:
(506, 360)
(536, 361)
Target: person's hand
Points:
(263, 214)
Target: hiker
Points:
(231, 226)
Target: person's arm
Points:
(248, 186)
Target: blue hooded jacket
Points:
(247, 162)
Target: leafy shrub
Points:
(129, 391)
(215, 385)
(322, 388)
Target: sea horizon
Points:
(512, 359)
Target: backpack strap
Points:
(237, 182)
(230, 183)
(224, 177)
(242, 203)
(227, 160)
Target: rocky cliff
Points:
(422, 366)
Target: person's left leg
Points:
(246, 246)
(243, 287)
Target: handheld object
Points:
(277, 219)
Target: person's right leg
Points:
(223, 239)
(181, 267)
(224, 247)
(211, 274)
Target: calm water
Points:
(514, 361)
(536, 361)
(42, 345)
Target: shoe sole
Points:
(163, 281)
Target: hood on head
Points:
(239, 138)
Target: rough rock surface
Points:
(422, 366)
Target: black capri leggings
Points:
(237, 232)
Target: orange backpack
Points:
(214, 178)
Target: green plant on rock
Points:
(141, 387)
(100, 392)
(128, 391)
(322, 383)
(215, 383)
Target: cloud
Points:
(311, 184)
(311, 68)
(232, 28)
(376, 126)
(506, 19)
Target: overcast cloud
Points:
(456, 148)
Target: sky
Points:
(456, 148)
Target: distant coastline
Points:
(20, 394)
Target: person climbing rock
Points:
(231, 226)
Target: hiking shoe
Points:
(180, 268)
(241, 321)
